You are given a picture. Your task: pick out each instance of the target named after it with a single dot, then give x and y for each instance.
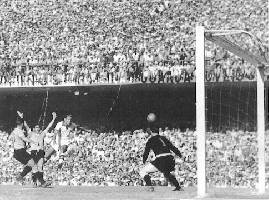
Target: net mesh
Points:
(231, 101)
(231, 116)
(231, 105)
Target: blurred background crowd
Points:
(114, 159)
(46, 42)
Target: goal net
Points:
(230, 109)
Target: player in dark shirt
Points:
(164, 162)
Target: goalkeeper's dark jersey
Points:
(159, 145)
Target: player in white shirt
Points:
(63, 131)
(63, 134)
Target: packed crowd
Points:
(113, 159)
(58, 42)
(83, 75)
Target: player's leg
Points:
(63, 151)
(40, 172)
(25, 158)
(172, 179)
(29, 165)
(34, 175)
(49, 153)
(35, 168)
(27, 168)
(146, 171)
(166, 166)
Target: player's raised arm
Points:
(20, 114)
(51, 123)
(27, 127)
(171, 146)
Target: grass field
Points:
(119, 193)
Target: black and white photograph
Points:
(134, 99)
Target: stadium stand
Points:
(84, 42)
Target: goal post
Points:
(200, 111)
(260, 62)
(260, 129)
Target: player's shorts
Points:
(22, 156)
(164, 163)
(37, 155)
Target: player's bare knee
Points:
(34, 168)
(40, 167)
(143, 173)
(31, 163)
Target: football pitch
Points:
(120, 193)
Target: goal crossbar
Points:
(256, 60)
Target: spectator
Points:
(122, 33)
(114, 159)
